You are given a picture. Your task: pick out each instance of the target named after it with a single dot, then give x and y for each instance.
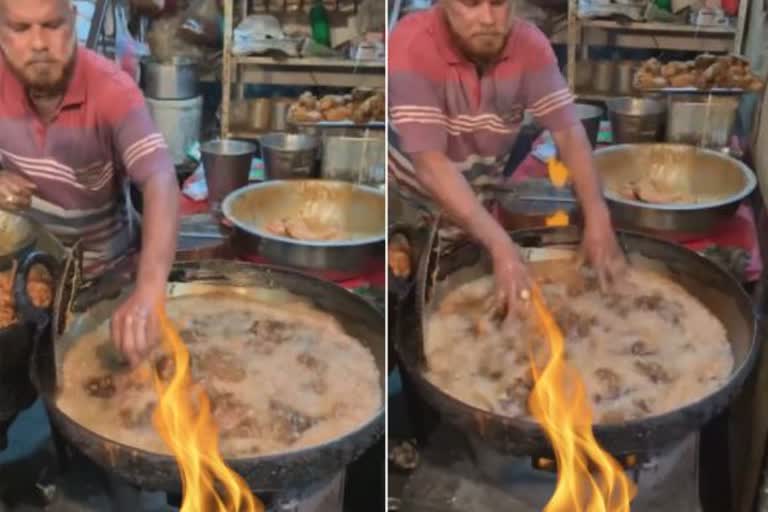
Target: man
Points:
(74, 127)
(461, 75)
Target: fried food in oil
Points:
(39, 288)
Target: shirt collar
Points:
(447, 47)
(76, 89)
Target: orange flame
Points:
(189, 431)
(588, 478)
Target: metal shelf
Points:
(657, 27)
(580, 33)
(297, 71)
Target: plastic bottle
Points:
(321, 26)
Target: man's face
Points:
(37, 38)
(480, 27)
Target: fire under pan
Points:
(458, 476)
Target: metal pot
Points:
(702, 120)
(227, 167)
(155, 471)
(289, 156)
(722, 180)
(175, 80)
(251, 208)
(719, 292)
(636, 119)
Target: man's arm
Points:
(148, 164)
(450, 190)
(576, 153)
(160, 194)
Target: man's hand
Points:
(512, 281)
(601, 249)
(135, 327)
(15, 191)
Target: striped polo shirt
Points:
(101, 136)
(439, 102)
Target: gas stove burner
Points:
(457, 474)
(628, 462)
(68, 494)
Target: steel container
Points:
(636, 119)
(227, 165)
(721, 182)
(702, 120)
(174, 80)
(289, 156)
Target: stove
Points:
(459, 474)
(70, 493)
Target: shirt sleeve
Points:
(416, 107)
(138, 144)
(547, 95)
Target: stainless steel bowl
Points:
(719, 181)
(289, 156)
(362, 209)
(636, 119)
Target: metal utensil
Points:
(636, 119)
(361, 210)
(227, 166)
(289, 156)
(718, 181)
(175, 80)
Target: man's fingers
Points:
(129, 340)
(116, 328)
(140, 336)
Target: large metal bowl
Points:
(362, 210)
(720, 181)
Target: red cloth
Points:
(739, 232)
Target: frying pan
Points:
(25, 243)
(154, 471)
(518, 436)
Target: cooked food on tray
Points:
(362, 106)
(39, 288)
(646, 348)
(281, 375)
(706, 72)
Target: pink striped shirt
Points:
(101, 135)
(438, 102)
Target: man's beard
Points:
(44, 85)
(484, 55)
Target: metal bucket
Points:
(227, 165)
(702, 120)
(289, 156)
(636, 119)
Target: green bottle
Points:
(321, 27)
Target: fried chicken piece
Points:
(288, 423)
(101, 387)
(132, 417)
(654, 371)
(223, 365)
(610, 384)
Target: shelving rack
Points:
(580, 33)
(309, 72)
